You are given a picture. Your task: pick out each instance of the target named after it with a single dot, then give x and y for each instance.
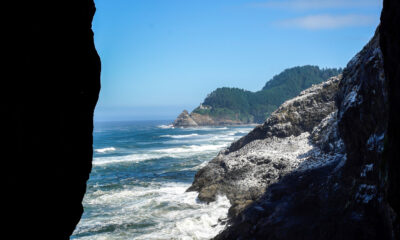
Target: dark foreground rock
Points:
(390, 168)
(47, 103)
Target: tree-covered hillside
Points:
(250, 107)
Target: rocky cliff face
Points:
(206, 120)
(47, 104)
(272, 150)
(295, 116)
(184, 120)
(318, 167)
(194, 120)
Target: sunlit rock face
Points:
(193, 119)
(47, 116)
(318, 168)
(184, 120)
(344, 198)
(297, 115)
(283, 144)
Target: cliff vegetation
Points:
(226, 106)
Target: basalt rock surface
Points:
(295, 116)
(194, 120)
(184, 120)
(347, 197)
(324, 165)
(47, 103)
(278, 147)
(206, 120)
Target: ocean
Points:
(137, 187)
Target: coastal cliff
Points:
(234, 106)
(319, 167)
(270, 151)
(47, 102)
(185, 120)
(195, 120)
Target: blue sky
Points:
(161, 56)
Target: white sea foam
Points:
(128, 158)
(173, 212)
(192, 149)
(206, 143)
(205, 128)
(244, 130)
(104, 150)
(158, 210)
(176, 152)
(165, 126)
(203, 139)
(180, 136)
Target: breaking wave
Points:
(165, 126)
(137, 188)
(177, 152)
(180, 136)
(104, 150)
(180, 215)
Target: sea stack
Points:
(184, 120)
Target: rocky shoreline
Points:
(282, 144)
(233, 106)
(197, 120)
(313, 168)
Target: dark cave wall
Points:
(390, 45)
(47, 121)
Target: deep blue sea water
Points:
(140, 173)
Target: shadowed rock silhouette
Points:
(48, 99)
